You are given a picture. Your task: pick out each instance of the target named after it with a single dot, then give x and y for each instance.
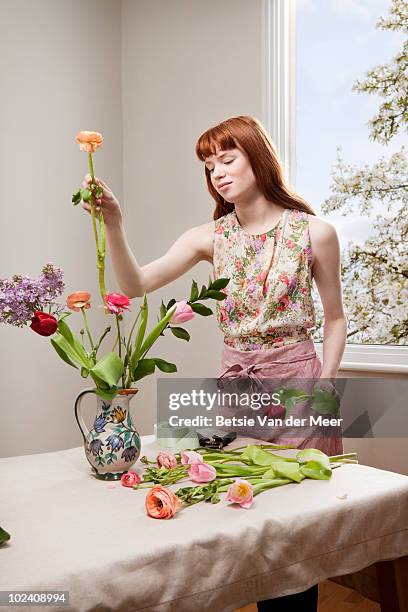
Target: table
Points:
(93, 538)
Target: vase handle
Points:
(78, 415)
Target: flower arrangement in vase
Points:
(113, 443)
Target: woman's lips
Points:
(225, 186)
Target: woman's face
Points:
(232, 169)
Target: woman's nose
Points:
(218, 173)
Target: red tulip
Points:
(43, 323)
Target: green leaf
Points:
(225, 469)
(109, 368)
(140, 334)
(76, 197)
(315, 463)
(97, 190)
(163, 310)
(155, 333)
(86, 194)
(74, 342)
(259, 456)
(216, 295)
(284, 469)
(99, 382)
(171, 303)
(84, 373)
(315, 470)
(65, 331)
(194, 292)
(312, 454)
(202, 310)
(107, 394)
(145, 367)
(325, 402)
(4, 536)
(165, 366)
(219, 283)
(179, 332)
(290, 397)
(203, 292)
(62, 354)
(71, 351)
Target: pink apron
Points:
(299, 361)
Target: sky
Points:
(336, 44)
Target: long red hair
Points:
(248, 134)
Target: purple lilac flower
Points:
(20, 296)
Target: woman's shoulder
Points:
(323, 239)
(203, 239)
(320, 229)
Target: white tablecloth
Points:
(93, 538)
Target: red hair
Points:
(249, 135)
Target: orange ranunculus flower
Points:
(89, 141)
(78, 300)
(161, 503)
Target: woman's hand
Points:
(328, 385)
(108, 203)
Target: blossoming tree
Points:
(375, 274)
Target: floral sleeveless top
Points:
(269, 302)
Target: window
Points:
(315, 51)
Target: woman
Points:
(270, 243)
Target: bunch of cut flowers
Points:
(241, 473)
(33, 301)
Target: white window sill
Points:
(372, 358)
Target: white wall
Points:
(60, 72)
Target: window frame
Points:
(278, 82)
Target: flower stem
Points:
(87, 328)
(120, 348)
(100, 251)
(91, 170)
(118, 326)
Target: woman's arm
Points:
(194, 245)
(326, 272)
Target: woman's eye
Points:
(226, 162)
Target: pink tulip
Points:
(241, 492)
(183, 312)
(130, 478)
(190, 457)
(166, 460)
(202, 472)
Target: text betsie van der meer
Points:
(209, 401)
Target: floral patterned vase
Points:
(112, 446)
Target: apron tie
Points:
(236, 372)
